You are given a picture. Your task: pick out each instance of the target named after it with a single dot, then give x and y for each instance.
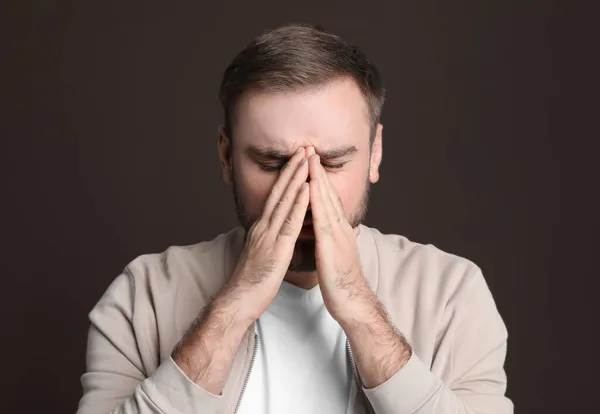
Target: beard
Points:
(303, 258)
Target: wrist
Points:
(248, 299)
(207, 349)
(359, 311)
(231, 308)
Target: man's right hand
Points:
(207, 350)
(271, 239)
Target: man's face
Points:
(270, 126)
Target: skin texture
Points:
(331, 118)
(321, 138)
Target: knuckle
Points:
(282, 201)
(266, 236)
(287, 229)
(259, 237)
(272, 194)
(324, 227)
(256, 229)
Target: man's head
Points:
(297, 86)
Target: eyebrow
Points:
(275, 154)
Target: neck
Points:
(304, 280)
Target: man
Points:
(302, 309)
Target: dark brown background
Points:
(109, 126)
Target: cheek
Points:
(349, 188)
(254, 186)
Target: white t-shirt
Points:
(301, 365)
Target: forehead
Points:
(326, 117)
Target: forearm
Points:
(379, 349)
(207, 350)
(398, 381)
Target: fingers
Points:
(318, 175)
(325, 204)
(318, 172)
(333, 197)
(281, 219)
(322, 211)
(319, 216)
(285, 175)
(292, 225)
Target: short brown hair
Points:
(294, 56)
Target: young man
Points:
(302, 309)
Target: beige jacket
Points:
(439, 301)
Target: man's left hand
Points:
(380, 351)
(339, 271)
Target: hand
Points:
(338, 264)
(270, 241)
(206, 352)
(379, 349)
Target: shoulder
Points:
(169, 263)
(159, 294)
(425, 289)
(424, 267)
(203, 264)
(400, 249)
(178, 271)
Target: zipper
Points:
(353, 364)
(237, 406)
(357, 377)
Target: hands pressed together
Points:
(206, 351)
(270, 242)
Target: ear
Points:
(376, 155)
(225, 151)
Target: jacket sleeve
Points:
(116, 382)
(478, 383)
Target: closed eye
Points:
(334, 166)
(270, 167)
(277, 167)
